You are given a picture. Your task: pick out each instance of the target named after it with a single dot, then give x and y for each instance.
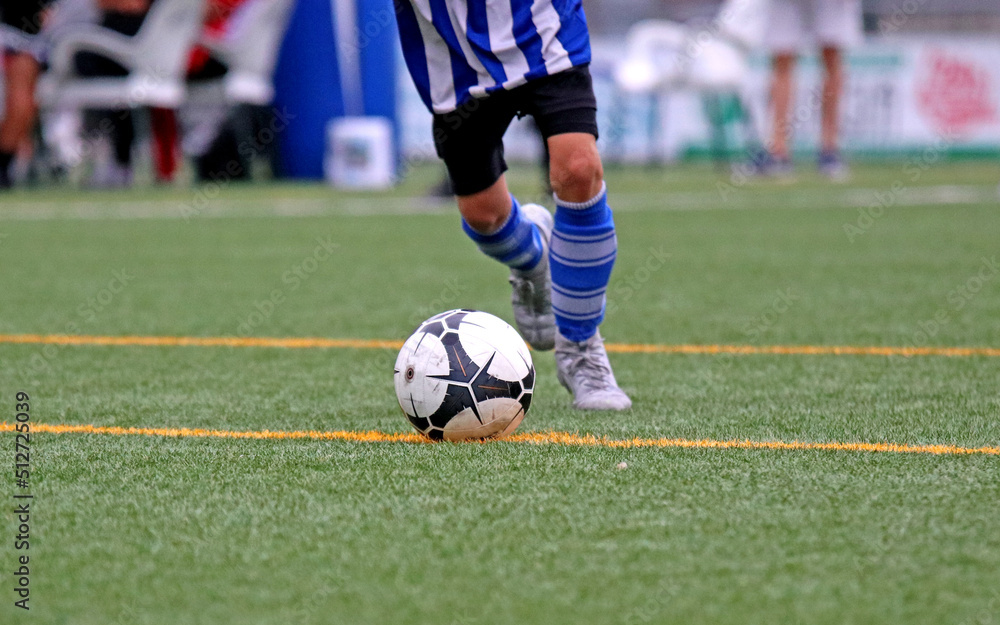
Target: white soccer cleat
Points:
(532, 290)
(584, 369)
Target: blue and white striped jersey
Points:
(462, 49)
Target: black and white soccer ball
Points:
(464, 374)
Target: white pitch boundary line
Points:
(633, 202)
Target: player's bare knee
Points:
(483, 217)
(486, 224)
(487, 210)
(576, 176)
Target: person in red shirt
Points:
(217, 15)
(201, 66)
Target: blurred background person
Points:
(697, 104)
(123, 16)
(203, 66)
(832, 25)
(20, 17)
(221, 139)
(218, 145)
(27, 30)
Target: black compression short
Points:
(470, 138)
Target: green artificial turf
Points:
(129, 529)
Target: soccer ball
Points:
(464, 374)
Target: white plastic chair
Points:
(662, 57)
(249, 50)
(743, 22)
(156, 58)
(720, 63)
(62, 16)
(652, 60)
(15, 38)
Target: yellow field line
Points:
(805, 350)
(535, 438)
(197, 341)
(622, 348)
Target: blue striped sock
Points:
(516, 244)
(582, 254)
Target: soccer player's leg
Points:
(838, 27)
(584, 244)
(785, 35)
(471, 143)
(583, 251)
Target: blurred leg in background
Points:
(163, 125)
(19, 110)
(785, 35)
(830, 163)
(218, 131)
(831, 25)
(21, 72)
(226, 139)
(782, 87)
(123, 16)
(838, 27)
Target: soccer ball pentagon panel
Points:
(464, 374)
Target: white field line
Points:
(15, 209)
